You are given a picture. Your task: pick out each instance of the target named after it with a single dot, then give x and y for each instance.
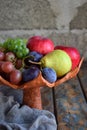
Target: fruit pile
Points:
(22, 61)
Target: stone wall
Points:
(65, 22)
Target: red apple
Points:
(40, 44)
(72, 52)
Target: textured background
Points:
(65, 22)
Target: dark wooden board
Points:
(71, 107)
(68, 102)
(83, 78)
(47, 99)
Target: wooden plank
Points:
(83, 78)
(71, 107)
(47, 99)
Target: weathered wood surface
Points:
(68, 102)
(83, 78)
(47, 99)
(71, 106)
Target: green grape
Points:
(18, 42)
(19, 54)
(18, 46)
(15, 48)
(11, 46)
(25, 51)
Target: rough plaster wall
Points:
(47, 14)
(65, 11)
(26, 14)
(64, 21)
(80, 20)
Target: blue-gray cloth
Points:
(14, 116)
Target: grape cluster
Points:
(13, 69)
(17, 46)
(8, 69)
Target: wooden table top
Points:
(68, 102)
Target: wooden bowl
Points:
(32, 95)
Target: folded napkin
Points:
(14, 116)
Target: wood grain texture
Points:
(47, 99)
(71, 106)
(83, 78)
(32, 97)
